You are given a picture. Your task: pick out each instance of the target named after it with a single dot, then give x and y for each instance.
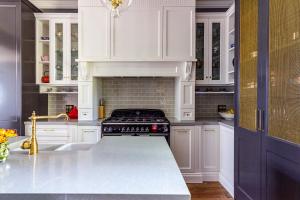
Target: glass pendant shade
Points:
(117, 6)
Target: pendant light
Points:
(117, 6)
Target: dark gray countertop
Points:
(202, 121)
(173, 121)
(69, 122)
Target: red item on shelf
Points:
(73, 114)
(45, 78)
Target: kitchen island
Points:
(119, 168)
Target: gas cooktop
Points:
(136, 122)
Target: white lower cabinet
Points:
(63, 134)
(210, 152)
(185, 142)
(183, 147)
(89, 134)
(196, 150)
(227, 158)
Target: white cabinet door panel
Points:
(137, 35)
(227, 158)
(187, 94)
(85, 99)
(94, 33)
(210, 148)
(179, 33)
(182, 145)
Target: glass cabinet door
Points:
(248, 65)
(74, 51)
(58, 67)
(284, 71)
(215, 51)
(200, 51)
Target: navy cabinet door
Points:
(280, 71)
(247, 137)
(10, 73)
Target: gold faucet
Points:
(32, 144)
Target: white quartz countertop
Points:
(117, 167)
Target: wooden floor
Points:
(208, 191)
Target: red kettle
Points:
(73, 114)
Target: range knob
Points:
(110, 129)
(105, 129)
(165, 129)
(137, 129)
(128, 129)
(123, 129)
(132, 129)
(142, 129)
(147, 130)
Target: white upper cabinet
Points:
(94, 34)
(136, 35)
(56, 48)
(211, 66)
(179, 33)
(147, 31)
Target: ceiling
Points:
(72, 4)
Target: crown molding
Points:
(55, 4)
(73, 4)
(214, 3)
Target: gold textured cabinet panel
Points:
(284, 70)
(248, 64)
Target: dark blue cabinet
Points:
(267, 128)
(18, 93)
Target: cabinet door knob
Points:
(206, 77)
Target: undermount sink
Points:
(75, 147)
(41, 147)
(53, 147)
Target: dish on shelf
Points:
(227, 115)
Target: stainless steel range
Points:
(137, 122)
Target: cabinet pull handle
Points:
(209, 130)
(89, 131)
(260, 115)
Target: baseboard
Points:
(226, 184)
(210, 176)
(200, 177)
(193, 177)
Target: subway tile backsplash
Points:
(207, 104)
(57, 102)
(156, 93)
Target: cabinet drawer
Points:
(89, 134)
(49, 131)
(85, 114)
(187, 114)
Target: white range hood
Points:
(152, 38)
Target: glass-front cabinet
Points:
(210, 54)
(63, 49)
(210, 51)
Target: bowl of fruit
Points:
(228, 115)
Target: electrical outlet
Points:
(222, 108)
